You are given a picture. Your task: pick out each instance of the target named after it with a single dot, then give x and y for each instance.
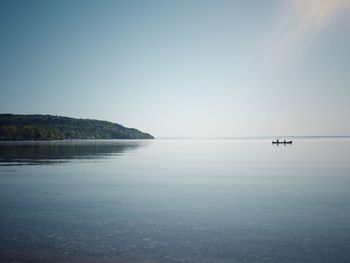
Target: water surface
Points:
(175, 201)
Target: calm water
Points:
(175, 201)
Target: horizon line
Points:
(250, 137)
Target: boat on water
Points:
(282, 142)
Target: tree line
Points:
(48, 127)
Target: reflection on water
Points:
(193, 201)
(45, 152)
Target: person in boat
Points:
(277, 141)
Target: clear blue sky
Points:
(181, 68)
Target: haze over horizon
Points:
(181, 68)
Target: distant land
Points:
(49, 127)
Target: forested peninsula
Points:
(49, 127)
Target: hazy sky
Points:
(181, 68)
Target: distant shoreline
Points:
(69, 140)
(49, 127)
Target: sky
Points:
(181, 68)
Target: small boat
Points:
(282, 142)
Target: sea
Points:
(175, 201)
